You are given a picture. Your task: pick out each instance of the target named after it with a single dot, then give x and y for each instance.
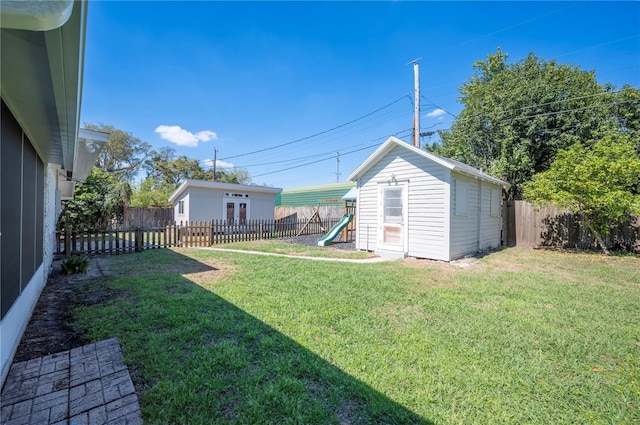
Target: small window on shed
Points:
(181, 207)
(461, 197)
(496, 197)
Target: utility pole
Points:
(416, 114)
(337, 167)
(215, 160)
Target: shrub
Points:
(75, 265)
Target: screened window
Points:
(392, 204)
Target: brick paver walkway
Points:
(87, 385)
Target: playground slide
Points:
(335, 230)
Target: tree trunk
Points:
(587, 223)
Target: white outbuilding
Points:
(200, 200)
(414, 203)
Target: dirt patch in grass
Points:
(51, 327)
(211, 275)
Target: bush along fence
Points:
(120, 239)
(527, 225)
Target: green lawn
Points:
(521, 336)
(279, 247)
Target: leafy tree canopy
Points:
(600, 180)
(517, 117)
(165, 168)
(123, 155)
(99, 201)
(151, 194)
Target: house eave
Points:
(41, 83)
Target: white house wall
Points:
(427, 190)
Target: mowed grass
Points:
(284, 248)
(520, 336)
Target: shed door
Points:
(236, 211)
(392, 217)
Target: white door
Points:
(392, 217)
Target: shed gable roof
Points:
(453, 165)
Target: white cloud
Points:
(181, 137)
(436, 113)
(220, 164)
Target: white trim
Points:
(393, 142)
(404, 226)
(17, 318)
(35, 15)
(236, 211)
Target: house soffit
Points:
(41, 74)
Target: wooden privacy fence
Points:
(122, 239)
(528, 225)
(142, 216)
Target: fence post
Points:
(138, 237)
(67, 242)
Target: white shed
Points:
(200, 200)
(415, 203)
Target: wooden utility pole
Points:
(215, 160)
(416, 114)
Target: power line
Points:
(328, 157)
(317, 134)
(511, 111)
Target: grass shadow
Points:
(197, 358)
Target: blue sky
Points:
(320, 77)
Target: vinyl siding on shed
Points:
(464, 227)
(478, 229)
(490, 236)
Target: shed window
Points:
(461, 197)
(181, 207)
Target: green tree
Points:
(123, 155)
(165, 168)
(516, 117)
(600, 180)
(98, 202)
(626, 110)
(151, 194)
(237, 175)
